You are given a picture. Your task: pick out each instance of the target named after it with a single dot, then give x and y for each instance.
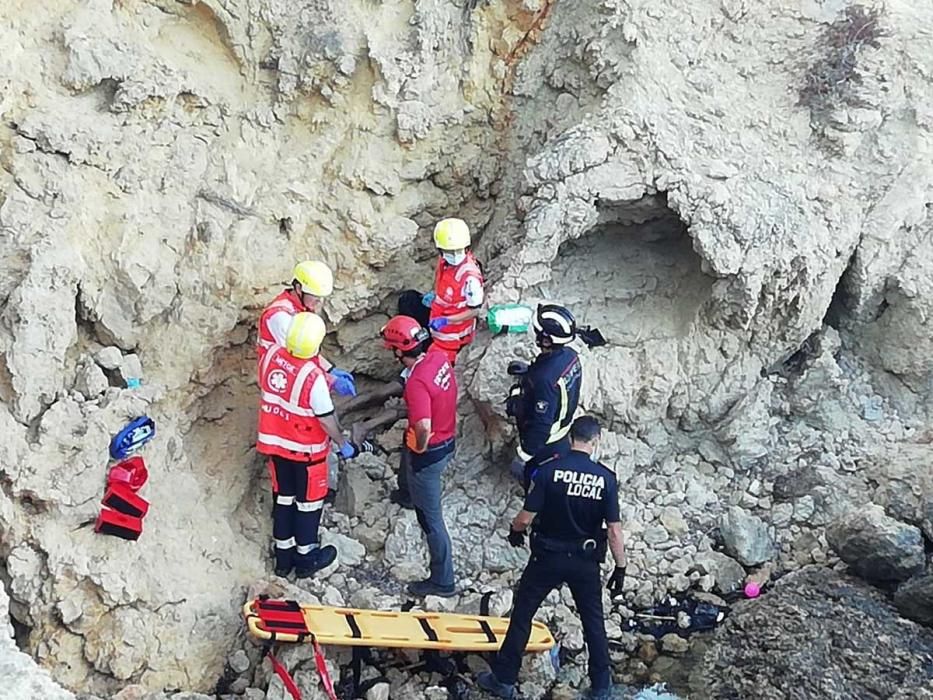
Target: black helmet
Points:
(554, 323)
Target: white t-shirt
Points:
(321, 402)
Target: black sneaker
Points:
(423, 588)
(487, 681)
(401, 498)
(320, 559)
(283, 571)
(331, 497)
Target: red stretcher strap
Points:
(322, 670)
(286, 677)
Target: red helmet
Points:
(403, 333)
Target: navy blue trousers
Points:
(545, 572)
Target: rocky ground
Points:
(739, 194)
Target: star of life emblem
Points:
(278, 381)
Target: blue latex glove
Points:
(438, 323)
(343, 382)
(348, 450)
(427, 299)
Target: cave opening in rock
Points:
(634, 275)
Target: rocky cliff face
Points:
(737, 193)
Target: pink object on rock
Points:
(752, 589)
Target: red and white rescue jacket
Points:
(288, 426)
(449, 299)
(287, 302)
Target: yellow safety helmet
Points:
(315, 278)
(451, 234)
(305, 335)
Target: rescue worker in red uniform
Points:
(312, 281)
(430, 397)
(296, 425)
(458, 289)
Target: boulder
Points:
(875, 546)
(20, 677)
(356, 492)
(728, 575)
(816, 634)
(746, 537)
(914, 599)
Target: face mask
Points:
(594, 455)
(454, 258)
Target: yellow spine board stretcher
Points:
(289, 621)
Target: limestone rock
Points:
(109, 357)
(90, 381)
(20, 677)
(239, 662)
(727, 573)
(356, 493)
(876, 547)
(380, 691)
(746, 537)
(674, 644)
(349, 551)
(906, 486)
(914, 599)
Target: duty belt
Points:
(590, 547)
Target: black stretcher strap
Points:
(487, 630)
(484, 611)
(428, 630)
(354, 628)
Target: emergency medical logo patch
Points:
(541, 406)
(278, 381)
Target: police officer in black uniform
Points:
(545, 398)
(569, 500)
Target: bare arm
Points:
(422, 435)
(386, 416)
(369, 398)
(616, 543)
(332, 427)
(522, 520)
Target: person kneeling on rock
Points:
(296, 424)
(569, 500)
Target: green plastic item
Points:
(509, 318)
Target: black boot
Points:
(320, 558)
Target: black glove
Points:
(516, 538)
(513, 403)
(517, 368)
(616, 582)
